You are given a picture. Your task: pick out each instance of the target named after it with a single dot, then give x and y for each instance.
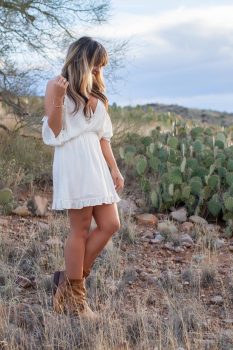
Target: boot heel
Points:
(56, 276)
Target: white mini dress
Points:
(81, 176)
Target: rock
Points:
(187, 226)
(146, 277)
(158, 239)
(169, 246)
(219, 243)
(198, 258)
(217, 300)
(38, 205)
(147, 219)
(179, 215)
(185, 238)
(213, 227)
(2, 280)
(141, 203)
(148, 234)
(178, 249)
(127, 206)
(54, 241)
(3, 221)
(231, 248)
(43, 261)
(24, 282)
(144, 239)
(21, 210)
(167, 227)
(198, 220)
(228, 321)
(129, 276)
(43, 225)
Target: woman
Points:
(86, 177)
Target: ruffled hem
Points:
(80, 203)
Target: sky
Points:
(180, 52)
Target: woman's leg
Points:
(107, 219)
(74, 251)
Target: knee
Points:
(112, 226)
(79, 233)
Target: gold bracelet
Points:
(57, 106)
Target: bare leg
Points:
(108, 222)
(74, 251)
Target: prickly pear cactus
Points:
(6, 196)
(141, 165)
(189, 165)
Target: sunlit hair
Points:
(82, 55)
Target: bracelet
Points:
(57, 106)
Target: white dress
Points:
(81, 176)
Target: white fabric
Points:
(81, 176)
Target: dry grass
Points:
(134, 314)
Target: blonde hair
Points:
(82, 55)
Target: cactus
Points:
(175, 176)
(206, 192)
(196, 185)
(154, 199)
(228, 203)
(131, 149)
(189, 164)
(230, 165)
(195, 132)
(129, 158)
(163, 154)
(154, 163)
(121, 152)
(141, 165)
(183, 165)
(198, 147)
(177, 195)
(192, 163)
(173, 142)
(222, 172)
(6, 196)
(214, 182)
(214, 205)
(229, 178)
(146, 140)
(171, 189)
(152, 148)
(219, 144)
(186, 191)
(145, 184)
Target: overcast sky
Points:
(180, 52)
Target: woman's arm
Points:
(110, 159)
(53, 103)
(108, 154)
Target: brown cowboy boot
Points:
(86, 273)
(69, 295)
(58, 277)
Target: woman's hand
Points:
(117, 178)
(59, 88)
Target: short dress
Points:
(81, 176)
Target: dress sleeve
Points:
(47, 133)
(48, 136)
(107, 128)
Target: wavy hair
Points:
(82, 55)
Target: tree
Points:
(41, 27)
